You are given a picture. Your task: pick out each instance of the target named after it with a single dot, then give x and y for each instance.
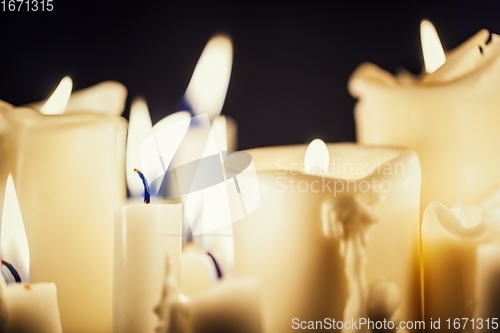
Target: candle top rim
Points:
(30, 117)
(385, 156)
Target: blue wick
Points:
(147, 195)
(12, 271)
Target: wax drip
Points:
(217, 266)
(349, 219)
(172, 315)
(147, 194)
(12, 271)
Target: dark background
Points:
(291, 64)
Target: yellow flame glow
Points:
(56, 103)
(138, 129)
(208, 86)
(432, 49)
(316, 158)
(219, 129)
(14, 244)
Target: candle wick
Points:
(12, 271)
(147, 195)
(216, 264)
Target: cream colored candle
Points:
(199, 273)
(144, 235)
(448, 117)
(24, 307)
(231, 306)
(69, 172)
(302, 238)
(30, 308)
(461, 247)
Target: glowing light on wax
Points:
(208, 86)
(139, 128)
(316, 158)
(56, 104)
(13, 241)
(432, 49)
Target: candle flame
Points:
(208, 86)
(13, 241)
(138, 129)
(56, 103)
(158, 149)
(432, 49)
(219, 129)
(317, 158)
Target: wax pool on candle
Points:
(69, 173)
(449, 117)
(292, 241)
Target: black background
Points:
(291, 64)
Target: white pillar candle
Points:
(450, 125)
(69, 172)
(293, 239)
(144, 235)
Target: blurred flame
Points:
(138, 129)
(13, 241)
(432, 49)
(317, 158)
(208, 86)
(158, 149)
(56, 103)
(219, 129)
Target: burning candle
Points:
(68, 169)
(144, 235)
(316, 227)
(24, 307)
(448, 116)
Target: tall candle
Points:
(448, 117)
(69, 170)
(144, 236)
(293, 241)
